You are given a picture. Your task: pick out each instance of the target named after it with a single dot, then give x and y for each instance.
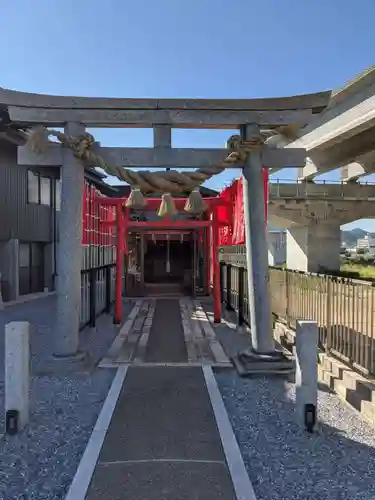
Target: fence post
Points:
(108, 277)
(287, 292)
(328, 341)
(241, 288)
(222, 265)
(92, 281)
(229, 287)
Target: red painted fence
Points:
(94, 233)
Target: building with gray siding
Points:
(29, 213)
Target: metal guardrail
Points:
(276, 180)
(319, 189)
(343, 308)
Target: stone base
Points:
(71, 358)
(250, 363)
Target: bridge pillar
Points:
(314, 247)
(276, 248)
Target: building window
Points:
(58, 194)
(38, 189)
(45, 191)
(31, 268)
(32, 187)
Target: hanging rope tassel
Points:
(136, 199)
(38, 140)
(195, 204)
(167, 206)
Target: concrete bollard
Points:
(306, 373)
(17, 370)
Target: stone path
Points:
(167, 331)
(162, 442)
(163, 432)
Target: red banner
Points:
(233, 215)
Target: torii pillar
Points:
(69, 251)
(257, 250)
(262, 343)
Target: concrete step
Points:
(368, 411)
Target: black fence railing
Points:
(234, 290)
(97, 293)
(344, 309)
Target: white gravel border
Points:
(85, 470)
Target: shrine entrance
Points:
(170, 262)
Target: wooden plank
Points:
(186, 118)
(184, 158)
(305, 101)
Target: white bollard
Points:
(306, 373)
(17, 370)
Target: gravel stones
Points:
(41, 461)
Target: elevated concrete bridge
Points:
(312, 214)
(343, 134)
(341, 137)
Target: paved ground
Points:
(166, 343)
(283, 462)
(163, 441)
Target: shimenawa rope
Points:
(144, 182)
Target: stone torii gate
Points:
(260, 122)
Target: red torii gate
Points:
(123, 223)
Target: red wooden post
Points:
(216, 268)
(208, 261)
(126, 227)
(120, 220)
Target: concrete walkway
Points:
(163, 433)
(162, 442)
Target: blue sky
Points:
(176, 48)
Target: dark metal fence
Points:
(97, 284)
(344, 309)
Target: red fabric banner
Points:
(238, 220)
(233, 215)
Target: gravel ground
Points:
(42, 316)
(283, 461)
(40, 462)
(65, 400)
